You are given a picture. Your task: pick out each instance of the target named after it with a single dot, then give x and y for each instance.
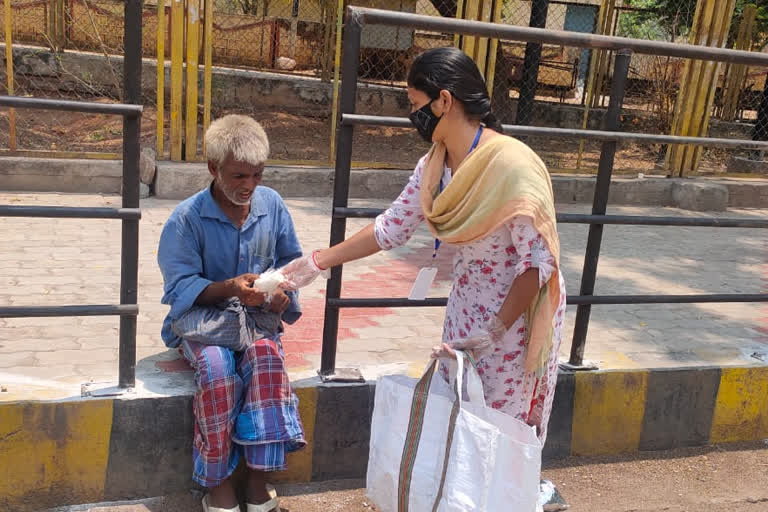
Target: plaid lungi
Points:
(243, 406)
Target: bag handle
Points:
(474, 384)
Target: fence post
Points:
(336, 70)
(208, 68)
(160, 129)
(350, 65)
(530, 77)
(599, 204)
(193, 57)
(129, 250)
(9, 72)
(177, 78)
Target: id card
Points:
(423, 283)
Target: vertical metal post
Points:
(531, 65)
(160, 130)
(193, 57)
(208, 69)
(599, 204)
(350, 65)
(9, 72)
(129, 250)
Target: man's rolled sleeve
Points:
(179, 258)
(287, 250)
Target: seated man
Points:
(213, 247)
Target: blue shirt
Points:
(200, 245)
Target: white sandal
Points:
(208, 508)
(269, 506)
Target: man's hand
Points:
(280, 301)
(242, 288)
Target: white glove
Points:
(491, 336)
(302, 271)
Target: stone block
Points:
(699, 196)
(147, 165)
(176, 180)
(740, 164)
(655, 192)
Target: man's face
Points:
(237, 180)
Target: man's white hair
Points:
(239, 136)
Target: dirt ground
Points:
(731, 478)
(307, 138)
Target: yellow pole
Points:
(693, 109)
(490, 75)
(735, 74)
(483, 42)
(457, 38)
(177, 76)
(709, 87)
(336, 69)
(208, 70)
(469, 43)
(9, 70)
(698, 73)
(594, 60)
(193, 55)
(684, 97)
(160, 77)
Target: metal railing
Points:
(129, 214)
(609, 134)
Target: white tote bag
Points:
(493, 460)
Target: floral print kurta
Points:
(483, 273)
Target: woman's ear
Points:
(446, 101)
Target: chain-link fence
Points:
(70, 49)
(277, 61)
(273, 60)
(550, 85)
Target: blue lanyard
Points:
(440, 185)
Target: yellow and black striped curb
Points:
(90, 450)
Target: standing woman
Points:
(491, 196)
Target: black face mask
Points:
(425, 121)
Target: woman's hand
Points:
(491, 336)
(443, 351)
(302, 271)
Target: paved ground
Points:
(56, 262)
(722, 479)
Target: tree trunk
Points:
(502, 105)
(446, 8)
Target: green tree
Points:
(671, 20)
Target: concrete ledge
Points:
(180, 180)
(90, 450)
(60, 175)
(746, 193)
(174, 180)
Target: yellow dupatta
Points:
(501, 179)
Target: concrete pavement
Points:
(60, 261)
(731, 479)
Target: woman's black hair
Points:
(453, 70)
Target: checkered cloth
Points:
(229, 324)
(243, 406)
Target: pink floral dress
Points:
(483, 274)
